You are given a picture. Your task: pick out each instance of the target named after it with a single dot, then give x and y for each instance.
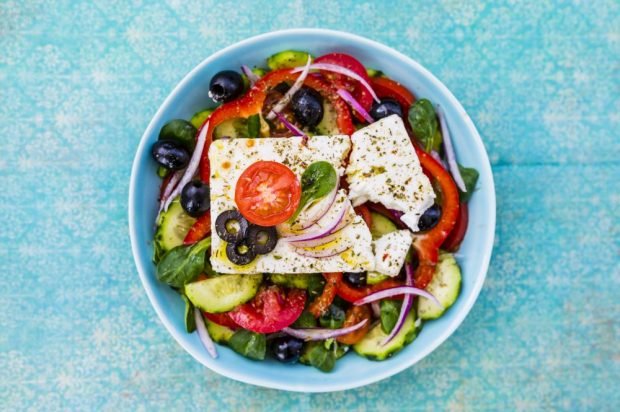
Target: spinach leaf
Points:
(333, 318)
(318, 180)
(249, 344)
(423, 121)
(305, 321)
(390, 309)
(470, 178)
(190, 320)
(253, 125)
(315, 286)
(317, 355)
(183, 264)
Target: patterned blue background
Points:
(79, 82)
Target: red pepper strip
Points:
(321, 303)
(252, 103)
(362, 210)
(385, 87)
(353, 294)
(458, 233)
(199, 230)
(427, 244)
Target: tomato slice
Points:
(321, 303)
(271, 310)
(199, 230)
(340, 81)
(221, 319)
(355, 314)
(454, 239)
(267, 193)
(364, 212)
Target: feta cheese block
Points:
(384, 168)
(230, 157)
(390, 251)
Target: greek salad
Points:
(311, 210)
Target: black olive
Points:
(282, 87)
(287, 349)
(430, 218)
(355, 279)
(231, 226)
(262, 239)
(170, 154)
(333, 317)
(386, 107)
(225, 86)
(307, 106)
(240, 253)
(195, 198)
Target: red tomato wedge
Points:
(267, 193)
(272, 309)
(199, 230)
(221, 319)
(340, 81)
(364, 212)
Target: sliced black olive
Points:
(195, 198)
(231, 226)
(240, 253)
(307, 106)
(170, 154)
(262, 239)
(385, 108)
(287, 349)
(355, 279)
(225, 86)
(430, 218)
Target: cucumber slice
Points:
(374, 72)
(371, 346)
(381, 225)
(220, 334)
(233, 128)
(301, 281)
(223, 293)
(173, 226)
(199, 117)
(288, 59)
(445, 286)
(372, 278)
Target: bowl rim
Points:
(455, 322)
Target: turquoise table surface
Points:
(79, 82)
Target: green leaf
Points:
(180, 130)
(190, 320)
(315, 354)
(249, 344)
(305, 321)
(333, 318)
(423, 121)
(315, 286)
(317, 181)
(183, 263)
(470, 178)
(390, 309)
(253, 126)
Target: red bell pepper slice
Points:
(385, 87)
(199, 230)
(353, 294)
(322, 302)
(252, 103)
(458, 233)
(427, 244)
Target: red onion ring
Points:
(290, 126)
(281, 104)
(450, 155)
(330, 227)
(396, 291)
(405, 307)
(326, 204)
(322, 334)
(344, 71)
(347, 97)
(252, 77)
(203, 334)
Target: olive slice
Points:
(231, 226)
(262, 239)
(240, 253)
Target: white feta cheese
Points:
(383, 168)
(390, 251)
(229, 158)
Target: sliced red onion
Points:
(324, 253)
(290, 126)
(344, 71)
(281, 104)
(347, 97)
(329, 228)
(322, 334)
(376, 309)
(317, 242)
(315, 211)
(252, 77)
(405, 307)
(192, 167)
(436, 156)
(450, 155)
(396, 291)
(203, 334)
(172, 184)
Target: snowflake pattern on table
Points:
(79, 82)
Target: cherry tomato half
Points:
(267, 193)
(272, 309)
(221, 319)
(359, 92)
